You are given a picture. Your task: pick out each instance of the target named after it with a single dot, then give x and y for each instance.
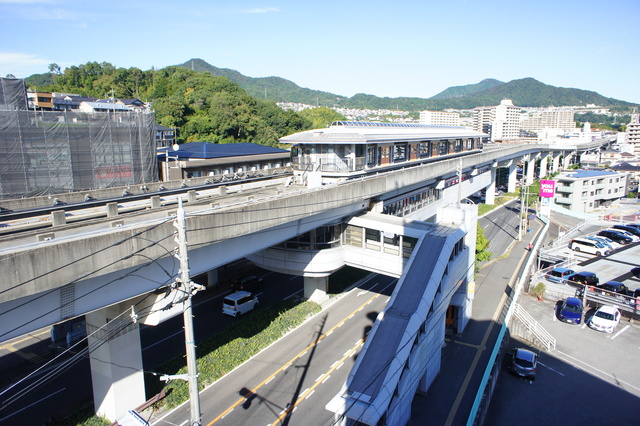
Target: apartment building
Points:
(440, 118)
(586, 190)
(633, 134)
(552, 118)
(501, 122)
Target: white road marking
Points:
(621, 331)
(612, 378)
(546, 366)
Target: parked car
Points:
(605, 319)
(571, 311)
(523, 362)
(602, 241)
(609, 241)
(616, 236)
(239, 303)
(630, 229)
(583, 278)
(588, 246)
(614, 287)
(635, 272)
(635, 225)
(558, 275)
(627, 234)
(251, 283)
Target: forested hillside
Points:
(217, 105)
(201, 106)
(526, 92)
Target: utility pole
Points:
(523, 213)
(192, 367)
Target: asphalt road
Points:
(291, 382)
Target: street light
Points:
(175, 147)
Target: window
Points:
(372, 235)
(443, 147)
(425, 149)
(399, 152)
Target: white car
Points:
(605, 319)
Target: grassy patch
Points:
(224, 351)
(486, 208)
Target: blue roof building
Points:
(587, 190)
(199, 159)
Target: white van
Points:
(239, 303)
(589, 246)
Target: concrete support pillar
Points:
(212, 278)
(555, 162)
(58, 218)
(222, 190)
(490, 196)
(567, 160)
(512, 177)
(112, 209)
(191, 196)
(544, 165)
(531, 167)
(315, 288)
(155, 202)
(116, 362)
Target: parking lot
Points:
(591, 376)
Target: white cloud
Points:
(262, 10)
(51, 14)
(22, 64)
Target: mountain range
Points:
(525, 92)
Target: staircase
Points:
(528, 328)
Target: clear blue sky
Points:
(411, 48)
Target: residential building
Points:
(102, 106)
(68, 102)
(51, 152)
(482, 119)
(507, 121)
(633, 134)
(165, 136)
(501, 122)
(440, 118)
(549, 118)
(586, 190)
(41, 101)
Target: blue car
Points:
(571, 311)
(558, 275)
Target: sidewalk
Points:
(464, 357)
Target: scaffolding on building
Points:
(51, 152)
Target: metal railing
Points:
(543, 336)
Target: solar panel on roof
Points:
(381, 124)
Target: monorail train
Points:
(348, 149)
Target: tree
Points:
(321, 117)
(482, 243)
(54, 69)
